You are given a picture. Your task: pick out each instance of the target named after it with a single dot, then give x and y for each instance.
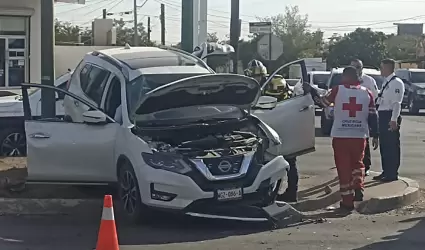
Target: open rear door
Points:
(293, 118)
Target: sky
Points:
(330, 16)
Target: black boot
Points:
(379, 177)
(288, 196)
(358, 195)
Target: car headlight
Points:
(420, 91)
(167, 161)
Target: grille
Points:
(224, 165)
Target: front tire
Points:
(13, 143)
(129, 193)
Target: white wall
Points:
(28, 8)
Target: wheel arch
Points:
(122, 159)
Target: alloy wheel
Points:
(128, 191)
(13, 145)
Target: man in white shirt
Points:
(369, 83)
(389, 108)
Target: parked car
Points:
(414, 95)
(318, 78)
(185, 139)
(326, 119)
(12, 133)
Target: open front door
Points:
(67, 152)
(292, 118)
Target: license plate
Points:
(229, 194)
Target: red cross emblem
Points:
(352, 107)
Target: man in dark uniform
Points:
(279, 89)
(389, 108)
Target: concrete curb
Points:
(384, 204)
(23, 206)
(313, 204)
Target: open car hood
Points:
(220, 89)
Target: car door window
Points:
(281, 89)
(84, 73)
(95, 83)
(113, 97)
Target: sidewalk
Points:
(320, 192)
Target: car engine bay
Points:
(208, 139)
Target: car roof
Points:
(413, 70)
(146, 57)
(367, 71)
(319, 72)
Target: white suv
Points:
(183, 139)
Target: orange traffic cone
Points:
(107, 239)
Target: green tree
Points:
(66, 32)
(365, 44)
(125, 34)
(402, 47)
(298, 41)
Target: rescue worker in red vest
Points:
(280, 90)
(355, 119)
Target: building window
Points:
(13, 25)
(13, 50)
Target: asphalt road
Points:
(397, 230)
(412, 146)
(354, 232)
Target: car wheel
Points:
(129, 193)
(13, 143)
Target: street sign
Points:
(263, 47)
(260, 27)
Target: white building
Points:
(20, 41)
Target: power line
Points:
(79, 8)
(117, 2)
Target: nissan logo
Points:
(225, 166)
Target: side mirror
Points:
(94, 117)
(266, 102)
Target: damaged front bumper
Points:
(195, 199)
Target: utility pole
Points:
(187, 26)
(149, 29)
(104, 13)
(136, 34)
(163, 24)
(235, 32)
(48, 103)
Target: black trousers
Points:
(292, 176)
(367, 158)
(389, 143)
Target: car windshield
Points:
(336, 80)
(320, 79)
(417, 77)
(145, 83)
